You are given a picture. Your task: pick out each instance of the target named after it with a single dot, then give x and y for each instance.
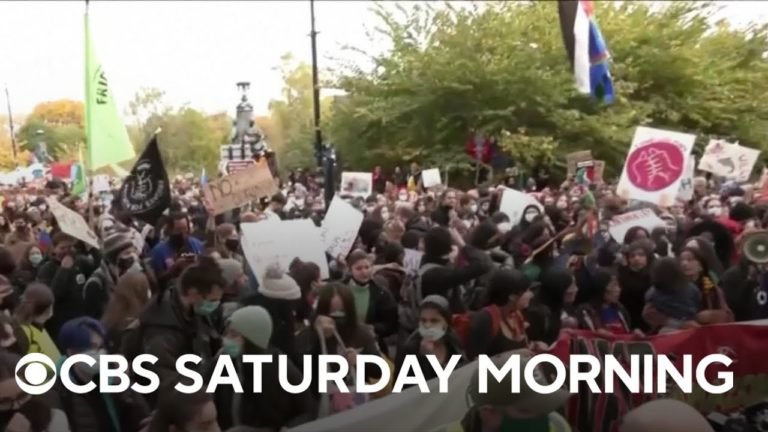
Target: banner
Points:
(241, 187)
(622, 223)
(742, 343)
(587, 412)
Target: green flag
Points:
(79, 181)
(108, 141)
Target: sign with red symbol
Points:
(656, 164)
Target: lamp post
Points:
(325, 154)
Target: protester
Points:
(125, 306)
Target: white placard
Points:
(412, 261)
(431, 178)
(655, 166)
(340, 227)
(745, 162)
(685, 192)
(622, 223)
(513, 204)
(72, 224)
(357, 184)
(100, 183)
(268, 241)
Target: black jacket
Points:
(744, 293)
(382, 310)
(447, 280)
(168, 331)
(67, 286)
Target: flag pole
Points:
(87, 39)
(11, 128)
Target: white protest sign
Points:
(412, 261)
(655, 165)
(100, 183)
(715, 152)
(622, 223)
(685, 192)
(431, 178)
(71, 223)
(340, 227)
(357, 184)
(745, 162)
(513, 204)
(268, 242)
(241, 187)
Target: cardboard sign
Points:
(100, 183)
(655, 166)
(622, 223)
(281, 242)
(431, 178)
(573, 159)
(234, 190)
(340, 227)
(513, 204)
(357, 184)
(72, 224)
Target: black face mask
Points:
(124, 263)
(176, 240)
(232, 245)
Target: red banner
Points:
(742, 343)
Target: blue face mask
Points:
(230, 347)
(207, 307)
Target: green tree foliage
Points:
(62, 126)
(189, 140)
(292, 116)
(501, 68)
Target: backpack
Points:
(410, 295)
(460, 323)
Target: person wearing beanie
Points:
(249, 331)
(120, 257)
(280, 295)
(433, 337)
(234, 274)
(499, 409)
(440, 276)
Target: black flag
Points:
(146, 192)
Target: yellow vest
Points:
(40, 342)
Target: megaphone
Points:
(754, 246)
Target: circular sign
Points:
(655, 165)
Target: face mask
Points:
(562, 205)
(530, 216)
(206, 307)
(35, 259)
(125, 263)
(230, 347)
(504, 227)
(338, 317)
(432, 333)
(473, 208)
(232, 244)
(715, 211)
(176, 240)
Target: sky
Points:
(195, 51)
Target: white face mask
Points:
(433, 333)
(530, 216)
(561, 204)
(504, 227)
(473, 208)
(715, 210)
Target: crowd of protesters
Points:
(481, 284)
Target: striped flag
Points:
(586, 49)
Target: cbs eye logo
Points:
(39, 374)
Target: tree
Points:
(62, 125)
(292, 116)
(7, 162)
(501, 68)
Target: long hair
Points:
(128, 300)
(37, 298)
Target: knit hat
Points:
(437, 302)
(231, 269)
(278, 285)
(115, 243)
(254, 324)
(499, 394)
